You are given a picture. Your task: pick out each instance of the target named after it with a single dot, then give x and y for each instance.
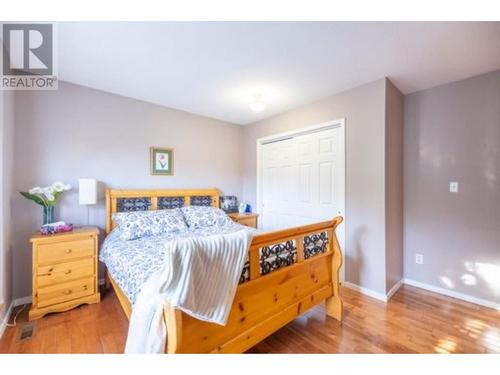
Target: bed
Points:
(286, 273)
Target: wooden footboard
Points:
(265, 303)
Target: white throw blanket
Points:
(200, 277)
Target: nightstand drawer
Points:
(58, 273)
(66, 250)
(65, 292)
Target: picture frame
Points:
(161, 161)
(228, 203)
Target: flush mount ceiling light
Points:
(257, 105)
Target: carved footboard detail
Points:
(290, 271)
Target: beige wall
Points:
(6, 156)
(452, 133)
(109, 140)
(79, 132)
(394, 118)
(365, 112)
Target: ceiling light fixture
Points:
(257, 105)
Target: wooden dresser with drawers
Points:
(64, 271)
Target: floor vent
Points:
(27, 331)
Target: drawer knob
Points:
(68, 251)
(67, 291)
(85, 287)
(67, 272)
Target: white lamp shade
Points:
(87, 191)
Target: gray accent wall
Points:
(78, 132)
(394, 118)
(365, 109)
(452, 133)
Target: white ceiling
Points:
(214, 69)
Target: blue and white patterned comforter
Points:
(130, 263)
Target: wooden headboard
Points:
(118, 200)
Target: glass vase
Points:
(48, 214)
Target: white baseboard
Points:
(4, 320)
(418, 284)
(366, 291)
(453, 294)
(371, 293)
(394, 289)
(16, 302)
(22, 301)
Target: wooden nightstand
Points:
(250, 220)
(64, 271)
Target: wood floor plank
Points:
(414, 321)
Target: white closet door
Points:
(302, 179)
(279, 188)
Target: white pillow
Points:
(137, 224)
(205, 216)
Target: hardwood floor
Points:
(96, 328)
(414, 321)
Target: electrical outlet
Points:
(419, 258)
(453, 187)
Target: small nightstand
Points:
(64, 271)
(248, 219)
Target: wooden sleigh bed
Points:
(265, 300)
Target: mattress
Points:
(130, 263)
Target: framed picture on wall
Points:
(162, 161)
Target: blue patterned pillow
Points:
(134, 224)
(137, 224)
(202, 216)
(165, 221)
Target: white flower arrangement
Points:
(47, 196)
